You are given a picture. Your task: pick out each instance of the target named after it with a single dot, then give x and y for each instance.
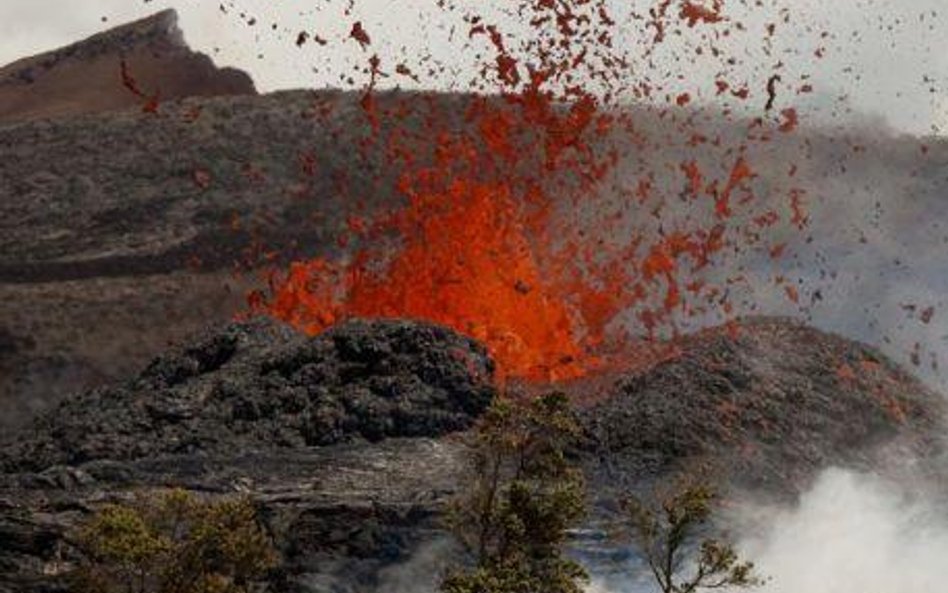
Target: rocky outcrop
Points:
(87, 77)
(332, 436)
(766, 403)
(351, 443)
(262, 386)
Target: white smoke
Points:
(423, 571)
(850, 533)
(853, 533)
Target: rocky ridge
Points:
(87, 77)
(766, 402)
(351, 443)
(261, 386)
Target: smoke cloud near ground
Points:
(423, 571)
(853, 532)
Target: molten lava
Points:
(466, 263)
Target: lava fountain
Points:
(513, 227)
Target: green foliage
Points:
(173, 543)
(672, 536)
(522, 497)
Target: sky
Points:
(884, 60)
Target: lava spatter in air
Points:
(150, 103)
(695, 12)
(517, 227)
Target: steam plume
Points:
(854, 532)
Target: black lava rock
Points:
(766, 407)
(260, 385)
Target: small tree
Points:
(173, 543)
(672, 535)
(522, 497)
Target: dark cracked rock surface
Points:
(110, 249)
(261, 385)
(341, 516)
(766, 402)
(333, 436)
(352, 443)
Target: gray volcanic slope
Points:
(121, 232)
(349, 443)
(109, 249)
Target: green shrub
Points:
(672, 533)
(521, 497)
(173, 542)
